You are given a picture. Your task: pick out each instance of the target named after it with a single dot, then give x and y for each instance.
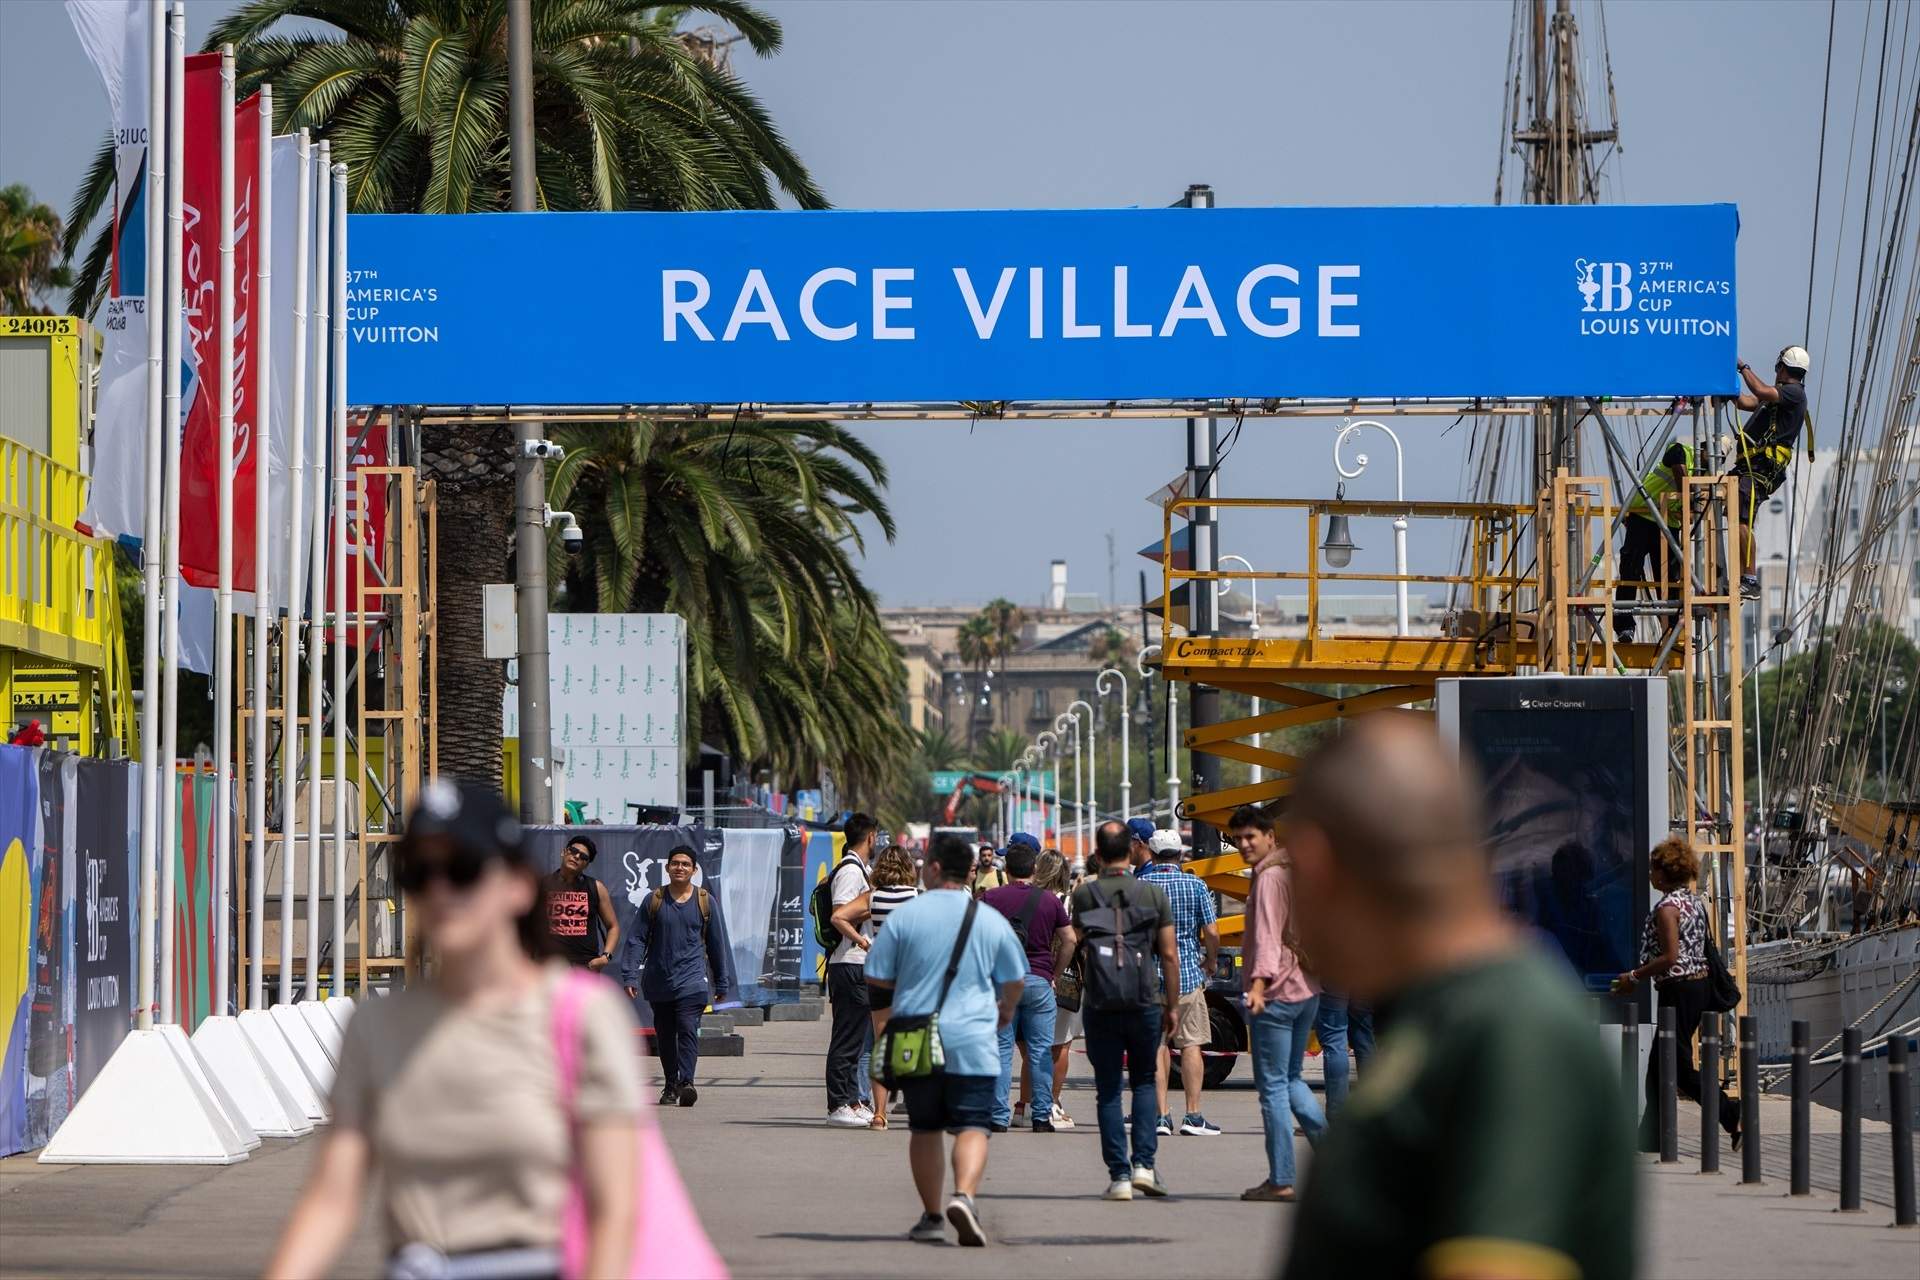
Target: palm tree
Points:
(747, 531)
(938, 752)
(412, 94)
(30, 257)
(1006, 619)
(974, 641)
(999, 751)
(1111, 645)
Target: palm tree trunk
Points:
(475, 517)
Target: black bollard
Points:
(1850, 1120)
(1749, 1102)
(1709, 1093)
(1669, 1074)
(1900, 1095)
(1802, 1109)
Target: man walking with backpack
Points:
(943, 975)
(846, 976)
(678, 938)
(1040, 923)
(1126, 929)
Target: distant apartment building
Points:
(1827, 505)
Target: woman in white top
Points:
(895, 880)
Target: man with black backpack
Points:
(1130, 989)
(678, 947)
(846, 976)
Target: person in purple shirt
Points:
(1039, 921)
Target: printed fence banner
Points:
(194, 998)
(19, 860)
(1024, 304)
(50, 1091)
(787, 947)
(106, 858)
(823, 853)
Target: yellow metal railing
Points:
(51, 575)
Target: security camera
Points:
(545, 450)
(571, 538)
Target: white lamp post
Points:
(1067, 725)
(1093, 768)
(1049, 744)
(1126, 747)
(1173, 736)
(1253, 622)
(1399, 495)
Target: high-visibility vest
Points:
(1659, 486)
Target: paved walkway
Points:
(784, 1196)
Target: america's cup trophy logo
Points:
(1589, 287)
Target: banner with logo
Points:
(194, 998)
(116, 35)
(105, 859)
(1089, 304)
(200, 282)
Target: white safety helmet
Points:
(1797, 359)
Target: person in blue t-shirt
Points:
(906, 970)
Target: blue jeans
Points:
(1279, 1038)
(1032, 1023)
(1134, 1036)
(866, 1055)
(1330, 1021)
(1360, 1035)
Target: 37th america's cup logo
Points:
(1612, 290)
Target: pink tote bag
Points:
(668, 1240)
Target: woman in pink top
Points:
(1281, 1001)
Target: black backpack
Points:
(821, 906)
(1120, 970)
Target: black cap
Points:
(467, 815)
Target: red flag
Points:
(200, 277)
(366, 519)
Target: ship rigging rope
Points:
(1903, 984)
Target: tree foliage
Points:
(31, 260)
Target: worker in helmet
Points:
(1766, 444)
(1656, 503)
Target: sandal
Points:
(879, 1121)
(1270, 1194)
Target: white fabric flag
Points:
(283, 352)
(196, 629)
(114, 34)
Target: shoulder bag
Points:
(908, 1048)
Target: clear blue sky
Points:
(947, 104)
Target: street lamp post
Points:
(1049, 743)
(1173, 737)
(1126, 746)
(1067, 723)
(1093, 768)
(1253, 623)
(1399, 495)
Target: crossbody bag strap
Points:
(959, 949)
(1025, 918)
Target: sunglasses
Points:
(461, 870)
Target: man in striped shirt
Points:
(1196, 934)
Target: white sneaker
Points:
(1121, 1189)
(845, 1118)
(1147, 1181)
(1061, 1120)
(865, 1113)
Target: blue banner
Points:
(1130, 304)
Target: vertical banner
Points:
(116, 35)
(823, 851)
(50, 1091)
(787, 945)
(366, 512)
(19, 847)
(104, 853)
(193, 993)
(200, 276)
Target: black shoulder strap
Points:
(959, 949)
(1025, 920)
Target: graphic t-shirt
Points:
(1048, 918)
(573, 917)
(1488, 1134)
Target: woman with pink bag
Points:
(499, 1098)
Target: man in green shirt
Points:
(1647, 541)
(1489, 1136)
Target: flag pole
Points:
(156, 288)
(170, 619)
(290, 629)
(223, 582)
(339, 259)
(317, 559)
(262, 569)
